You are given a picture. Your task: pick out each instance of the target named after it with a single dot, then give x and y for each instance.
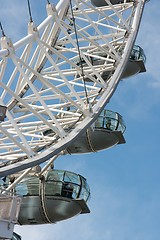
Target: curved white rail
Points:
(49, 82)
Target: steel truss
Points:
(49, 83)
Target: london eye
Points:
(55, 84)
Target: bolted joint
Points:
(51, 10)
(88, 110)
(32, 29)
(6, 43)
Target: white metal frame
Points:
(9, 211)
(46, 88)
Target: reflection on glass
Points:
(137, 53)
(55, 183)
(109, 120)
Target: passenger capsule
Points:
(108, 132)
(101, 3)
(135, 64)
(57, 196)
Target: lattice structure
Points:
(56, 81)
(9, 210)
(49, 81)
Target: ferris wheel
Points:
(56, 81)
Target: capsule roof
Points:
(101, 3)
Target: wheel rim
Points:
(44, 78)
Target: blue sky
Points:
(124, 180)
